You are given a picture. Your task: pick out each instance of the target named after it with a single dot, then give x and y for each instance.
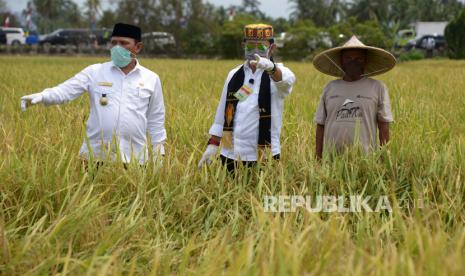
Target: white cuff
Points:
(319, 121)
(216, 130)
(158, 137)
(386, 119)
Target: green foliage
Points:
(411, 55)
(455, 36)
(252, 7)
(202, 30)
(433, 10)
(14, 22)
(374, 10)
(320, 12)
(324, 13)
(232, 35)
(107, 20)
(206, 30)
(144, 13)
(369, 32)
(281, 25)
(399, 13)
(302, 39)
(55, 14)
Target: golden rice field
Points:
(56, 218)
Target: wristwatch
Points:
(212, 141)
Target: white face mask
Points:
(120, 56)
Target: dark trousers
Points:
(232, 165)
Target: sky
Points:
(273, 8)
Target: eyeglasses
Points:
(260, 46)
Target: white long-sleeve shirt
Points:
(247, 116)
(135, 108)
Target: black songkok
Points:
(126, 30)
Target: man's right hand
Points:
(31, 100)
(207, 157)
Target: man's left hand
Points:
(262, 63)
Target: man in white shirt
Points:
(249, 116)
(126, 102)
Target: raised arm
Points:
(282, 76)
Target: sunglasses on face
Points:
(251, 46)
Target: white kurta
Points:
(247, 116)
(135, 108)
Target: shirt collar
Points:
(137, 65)
(136, 68)
(247, 67)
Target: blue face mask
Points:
(120, 56)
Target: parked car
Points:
(103, 36)
(440, 42)
(2, 37)
(154, 41)
(405, 38)
(14, 36)
(67, 37)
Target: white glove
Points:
(207, 155)
(262, 63)
(32, 99)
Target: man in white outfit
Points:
(249, 116)
(126, 102)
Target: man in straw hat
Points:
(354, 106)
(126, 102)
(249, 116)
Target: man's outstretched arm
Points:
(64, 92)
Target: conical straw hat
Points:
(378, 60)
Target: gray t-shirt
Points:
(350, 112)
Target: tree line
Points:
(201, 28)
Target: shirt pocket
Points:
(103, 95)
(139, 98)
(102, 90)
